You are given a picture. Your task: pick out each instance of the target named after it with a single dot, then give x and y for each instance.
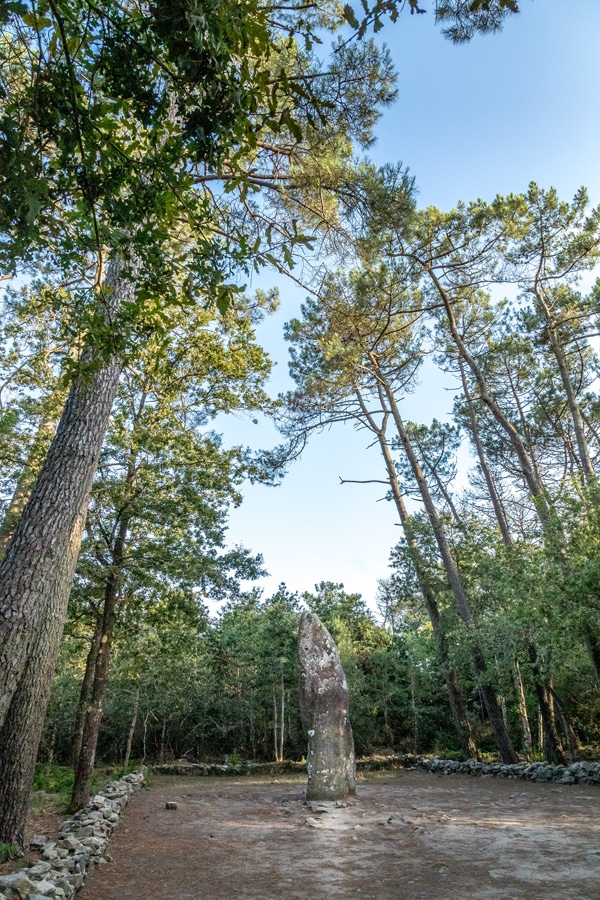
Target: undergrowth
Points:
(53, 779)
(8, 852)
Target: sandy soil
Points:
(407, 835)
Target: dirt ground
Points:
(45, 815)
(407, 835)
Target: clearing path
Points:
(406, 835)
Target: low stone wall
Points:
(288, 767)
(81, 844)
(577, 773)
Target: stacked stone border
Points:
(81, 844)
(577, 773)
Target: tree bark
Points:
(552, 746)
(494, 496)
(24, 717)
(585, 460)
(499, 729)
(530, 477)
(458, 707)
(593, 646)
(522, 707)
(85, 692)
(455, 695)
(572, 740)
(282, 728)
(275, 728)
(161, 751)
(554, 538)
(37, 572)
(136, 706)
(84, 769)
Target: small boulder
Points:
(17, 885)
(38, 842)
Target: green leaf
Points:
(350, 16)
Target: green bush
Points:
(234, 759)
(8, 852)
(53, 779)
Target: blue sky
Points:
(470, 121)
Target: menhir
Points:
(324, 711)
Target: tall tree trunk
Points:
(499, 729)
(554, 538)
(37, 573)
(507, 541)
(23, 719)
(252, 731)
(530, 475)
(84, 769)
(145, 738)
(440, 486)
(282, 728)
(572, 739)
(593, 646)
(483, 463)
(85, 692)
(585, 460)
(508, 544)
(522, 708)
(458, 707)
(275, 728)
(552, 746)
(52, 744)
(136, 706)
(161, 750)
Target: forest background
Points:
(487, 637)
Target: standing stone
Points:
(324, 711)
